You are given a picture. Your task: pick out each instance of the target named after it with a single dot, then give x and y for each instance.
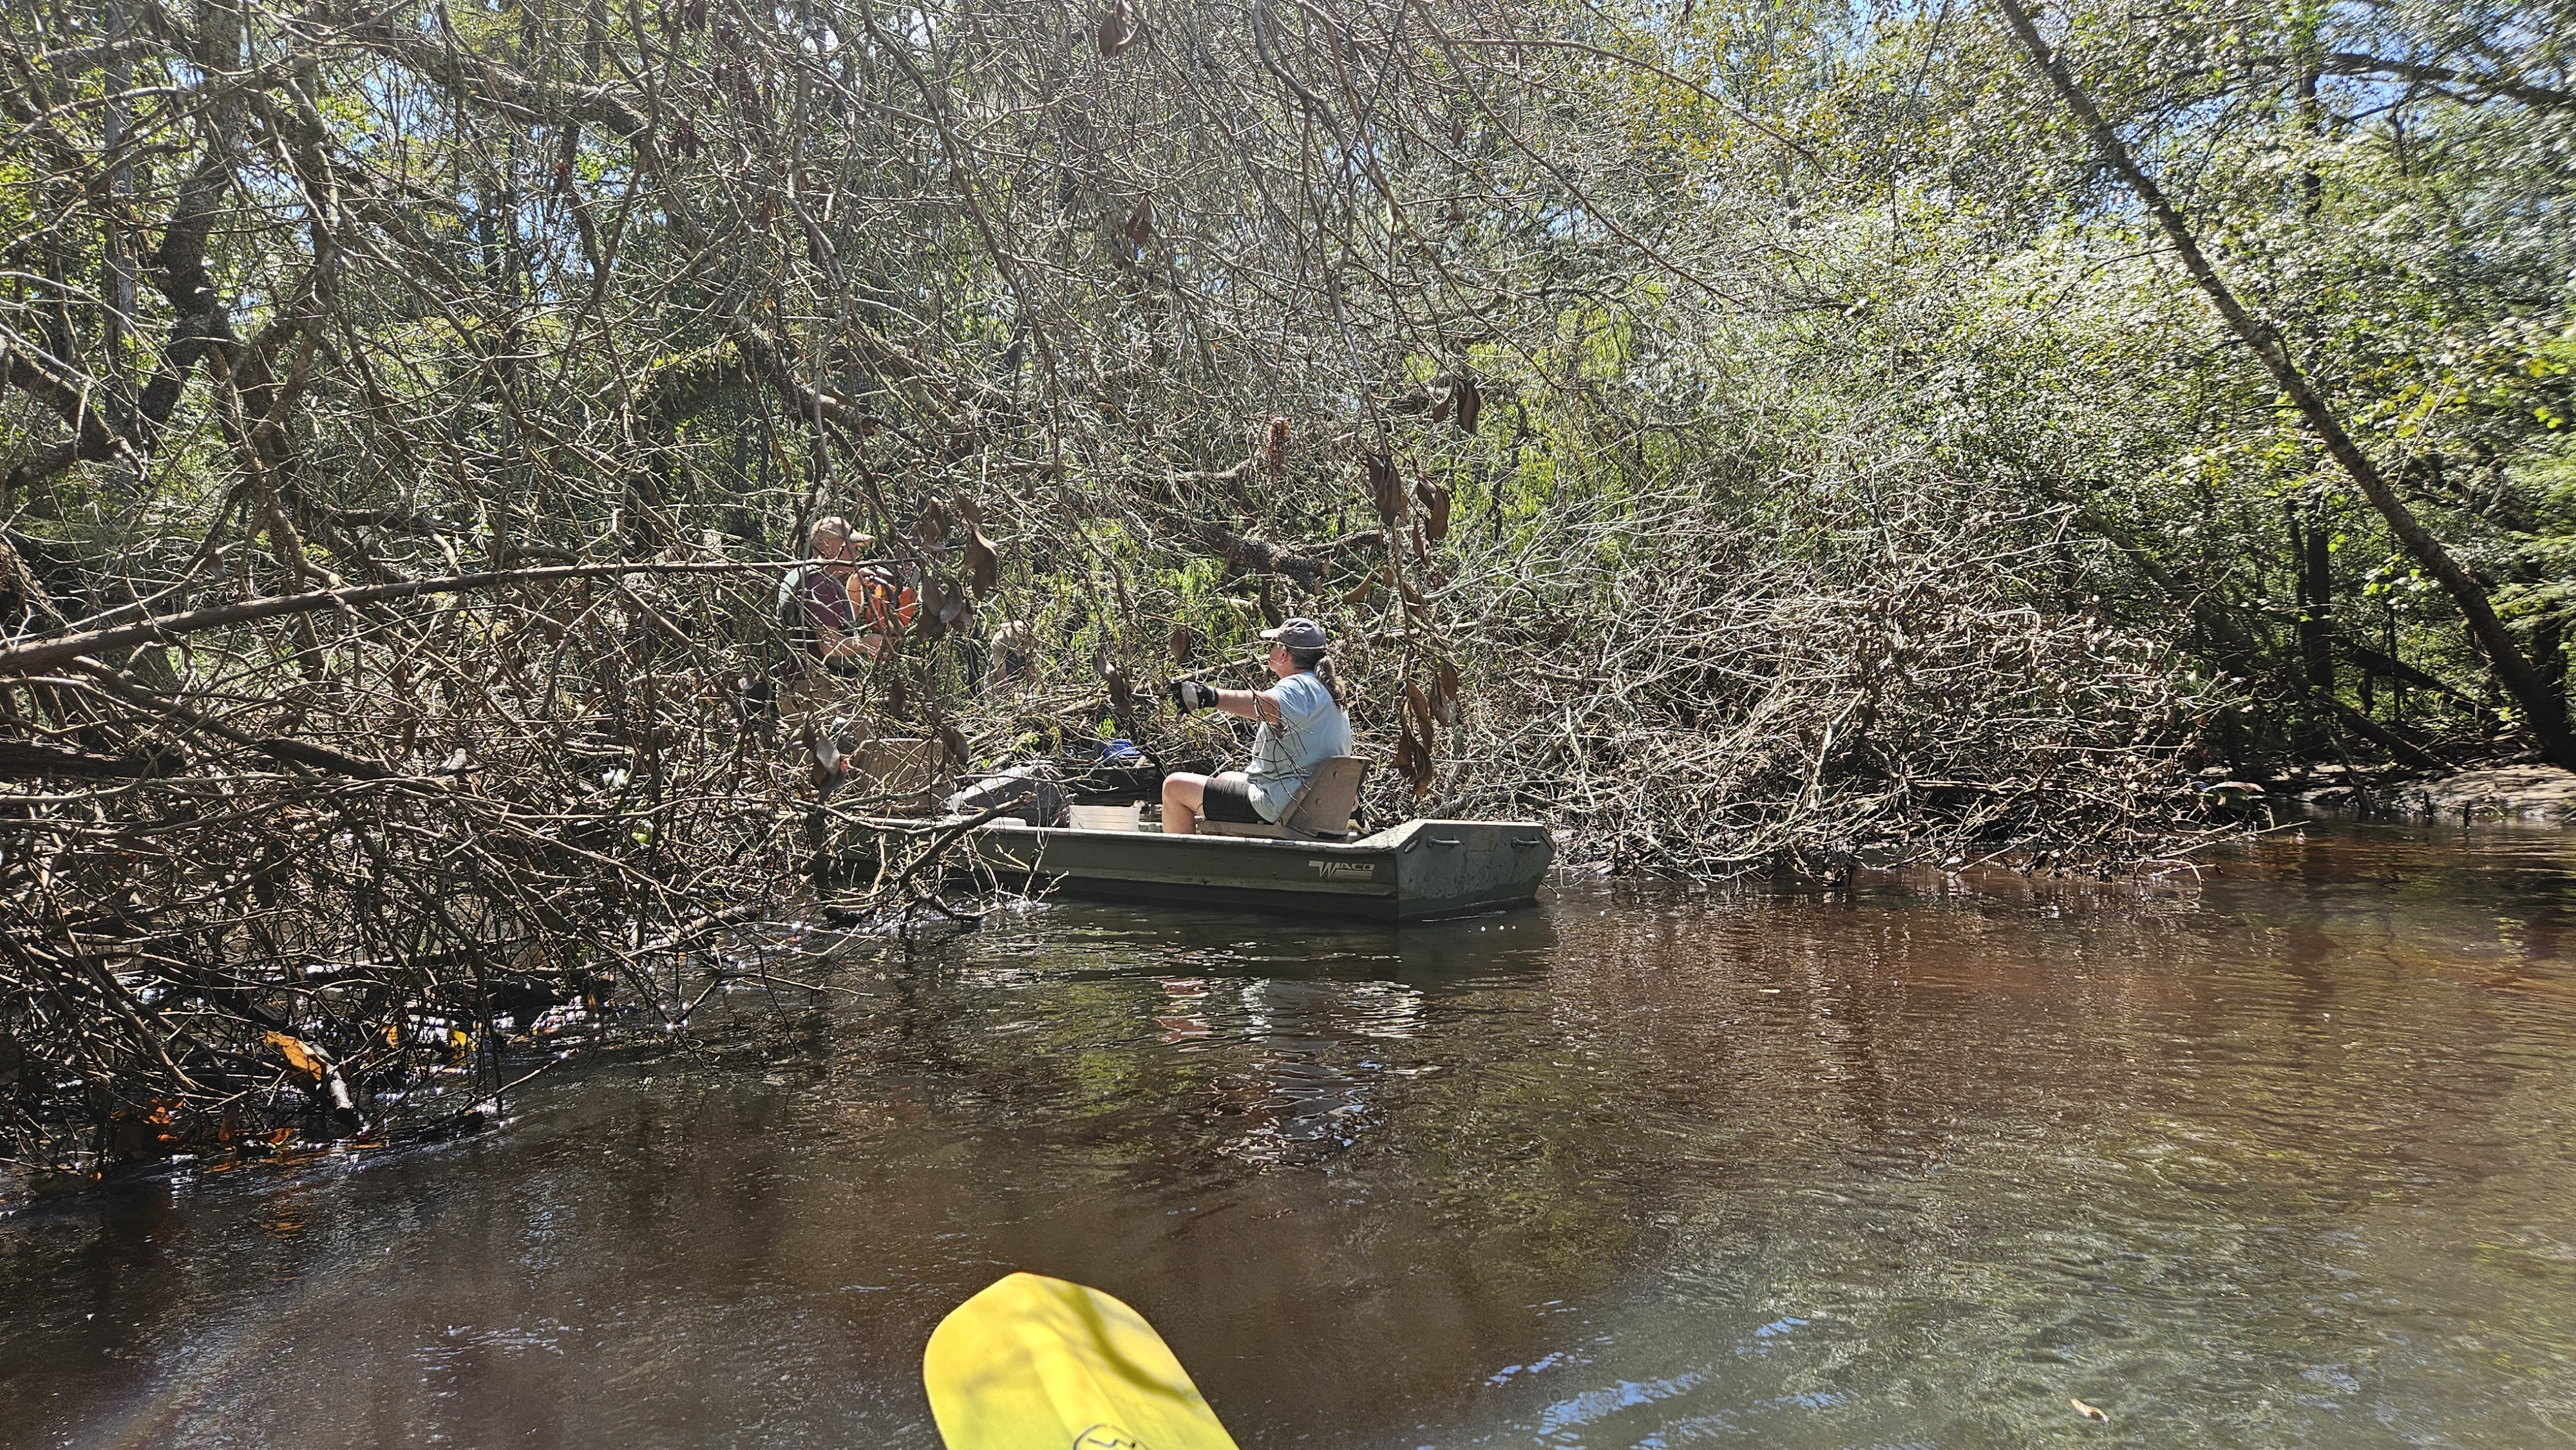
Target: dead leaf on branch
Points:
(1274, 449)
(1413, 761)
(1122, 23)
(1140, 223)
(932, 621)
(1360, 594)
(1435, 509)
(1385, 489)
(1469, 403)
(934, 522)
(301, 1059)
(983, 564)
(1417, 710)
(1444, 694)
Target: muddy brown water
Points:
(2280, 1157)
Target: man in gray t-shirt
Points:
(1303, 725)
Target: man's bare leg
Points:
(1184, 801)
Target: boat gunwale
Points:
(1374, 842)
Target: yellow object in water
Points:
(1034, 1363)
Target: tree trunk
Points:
(2539, 705)
(2549, 655)
(2316, 602)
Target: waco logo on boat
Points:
(1344, 870)
(1106, 1437)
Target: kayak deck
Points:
(1034, 1363)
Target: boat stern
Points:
(1453, 868)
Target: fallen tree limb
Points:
(49, 650)
(2394, 669)
(20, 759)
(2405, 751)
(291, 751)
(1261, 556)
(323, 758)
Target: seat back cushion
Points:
(1325, 802)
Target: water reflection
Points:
(2277, 1155)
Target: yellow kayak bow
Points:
(1034, 1363)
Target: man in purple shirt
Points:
(832, 632)
(842, 633)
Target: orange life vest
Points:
(883, 605)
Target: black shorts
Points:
(1228, 798)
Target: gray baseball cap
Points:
(1298, 633)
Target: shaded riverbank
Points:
(2279, 1157)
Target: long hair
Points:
(1316, 663)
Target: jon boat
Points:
(1404, 873)
(1407, 872)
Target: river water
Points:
(2280, 1156)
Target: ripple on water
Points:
(2280, 1158)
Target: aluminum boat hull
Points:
(1405, 873)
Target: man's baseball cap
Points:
(1298, 633)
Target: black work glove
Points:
(1188, 695)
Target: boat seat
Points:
(1319, 811)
